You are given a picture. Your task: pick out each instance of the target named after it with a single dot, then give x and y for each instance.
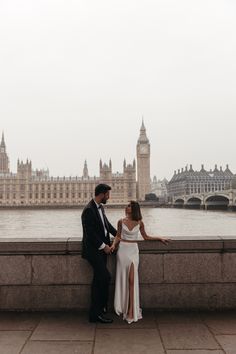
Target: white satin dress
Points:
(127, 254)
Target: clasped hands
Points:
(109, 249)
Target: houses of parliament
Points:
(28, 187)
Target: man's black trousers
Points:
(100, 284)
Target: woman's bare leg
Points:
(130, 313)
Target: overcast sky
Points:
(76, 77)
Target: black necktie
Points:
(104, 217)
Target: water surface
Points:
(158, 221)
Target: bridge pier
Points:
(231, 207)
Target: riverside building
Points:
(187, 181)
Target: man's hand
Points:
(107, 249)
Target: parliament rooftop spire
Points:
(85, 170)
(4, 161)
(3, 145)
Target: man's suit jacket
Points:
(93, 230)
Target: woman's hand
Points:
(164, 240)
(112, 248)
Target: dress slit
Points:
(131, 266)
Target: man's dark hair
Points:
(102, 188)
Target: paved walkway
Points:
(159, 333)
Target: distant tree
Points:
(151, 196)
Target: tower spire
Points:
(143, 136)
(4, 161)
(85, 171)
(3, 145)
(143, 126)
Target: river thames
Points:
(158, 221)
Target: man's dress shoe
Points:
(104, 310)
(100, 319)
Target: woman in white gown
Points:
(126, 301)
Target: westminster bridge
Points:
(225, 199)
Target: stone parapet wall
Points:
(49, 274)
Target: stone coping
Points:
(72, 245)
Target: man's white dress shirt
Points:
(103, 245)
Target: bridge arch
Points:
(216, 195)
(193, 202)
(179, 203)
(217, 201)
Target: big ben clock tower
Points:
(143, 164)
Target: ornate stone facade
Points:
(28, 187)
(188, 181)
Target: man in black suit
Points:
(95, 248)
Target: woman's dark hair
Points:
(135, 211)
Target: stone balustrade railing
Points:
(49, 274)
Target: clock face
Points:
(143, 149)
